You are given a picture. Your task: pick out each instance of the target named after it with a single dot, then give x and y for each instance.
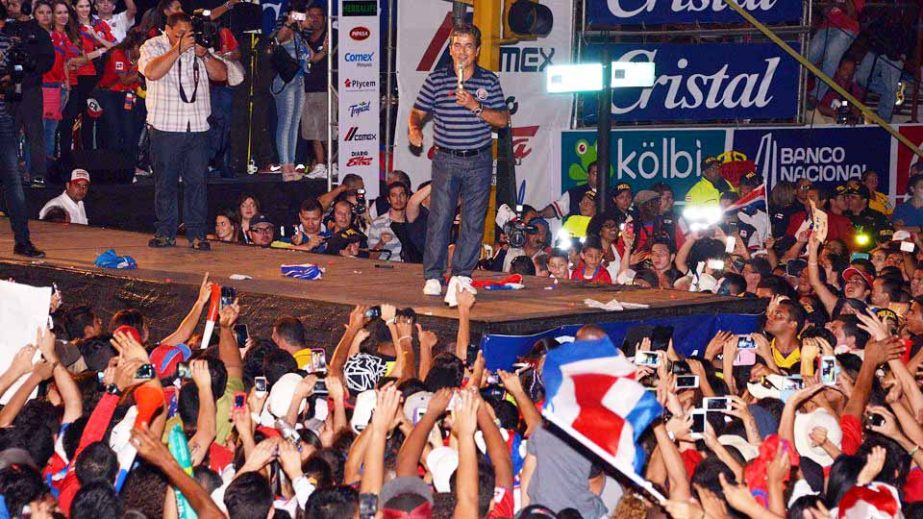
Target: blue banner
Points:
(643, 157)
(826, 156)
(653, 12)
(691, 334)
(706, 82)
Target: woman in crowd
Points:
(289, 95)
(227, 228)
(95, 40)
(55, 86)
(122, 110)
(247, 207)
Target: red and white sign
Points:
(538, 118)
(360, 33)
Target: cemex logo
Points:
(513, 58)
(358, 108)
(359, 33)
(353, 135)
(354, 85)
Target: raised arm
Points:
(530, 413)
(388, 401)
(67, 388)
(187, 327)
(326, 199)
(466, 300)
(415, 202)
(408, 458)
(341, 352)
(827, 297)
(155, 68)
(466, 479)
(497, 451)
(228, 350)
(206, 427)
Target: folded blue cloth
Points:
(111, 260)
(307, 271)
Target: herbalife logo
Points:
(817, 163)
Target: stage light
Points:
(528, 18)
(588, 77)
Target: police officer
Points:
(465, 102)
(9, 174)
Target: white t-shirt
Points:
(380, 225)
(75, 210)
(119, 25)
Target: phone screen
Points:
(698, 423)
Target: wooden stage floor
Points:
(166, 280)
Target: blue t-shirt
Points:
(908, 214)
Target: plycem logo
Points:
(360, 33)
(362, 59)
(354, 85)
(353, 135)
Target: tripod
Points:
(251, 164)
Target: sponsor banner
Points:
(706, 82)
(422, 46)
(637, 12)
(642, 157)
(826, 156)
(905, 158)
(358, 63)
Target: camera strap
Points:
(195, 79)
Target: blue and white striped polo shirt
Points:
(456, 127)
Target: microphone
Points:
(461, 74)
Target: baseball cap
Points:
(166, 357)
(418, 400)
(80, 175)
(840, 190)
(405, 485)
(751, 179)
(260, 219)
(860, 190)
(807, 422)
(851, 272)
(646, 195)
(442, 462)
(128, 330)
(620, 187)
(708, 162)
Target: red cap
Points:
(853, 271)
(128, 330)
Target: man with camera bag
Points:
(178, 106)
(10, 83)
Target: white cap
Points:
(80, 174)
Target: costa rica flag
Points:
(593, 396)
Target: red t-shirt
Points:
(504, 504)
(89, 43)
(837, 17)
(852, 434)
(838, 226)
(117, 66)
(64, 49)
(600, 276)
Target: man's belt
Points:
(463, 153)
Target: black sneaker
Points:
(161, 242)
(28, 249)
(200, 244)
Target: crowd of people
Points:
(816, 413)
(82, 88)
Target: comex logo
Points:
(362, 59)
(353, 135)
(358, 108)
(358, 85)
(817, 164)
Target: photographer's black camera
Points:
(516, 230)
(204, 29)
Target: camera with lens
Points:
(360, 201)
(204, 29)
(844, 113)
(516, 230)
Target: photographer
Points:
(178, 105)
(12, 187)
(39, 58)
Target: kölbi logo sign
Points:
(360, 33)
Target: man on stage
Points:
(466, 101)
(177, 70)
(9, 172)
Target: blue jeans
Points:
(175, 155)
(826, 49)
(469, 178)
(9, 176)
(289, 102)
(219, 135)
(880, 75)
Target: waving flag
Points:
(753, 197)
(593, 397)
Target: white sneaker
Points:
(432, 288)
(451, 298)
(318, 171)
(464, 282)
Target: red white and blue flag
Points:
(756, 196)
(593, 396)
